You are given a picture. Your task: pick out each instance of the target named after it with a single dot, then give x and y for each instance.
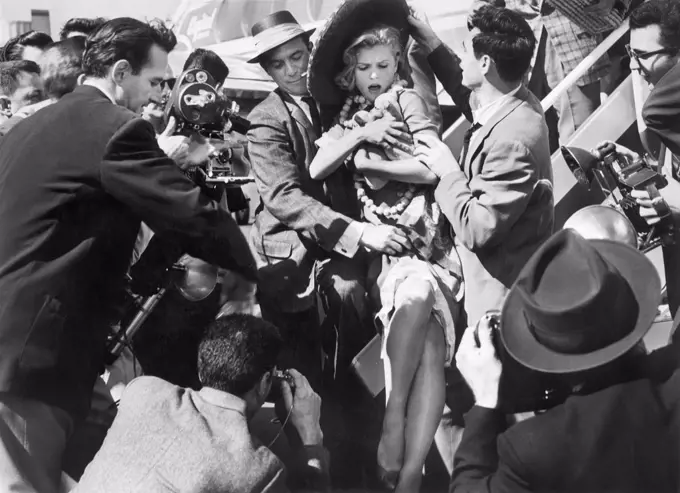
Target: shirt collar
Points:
(223, 399)
(483, 115)
(104, 92)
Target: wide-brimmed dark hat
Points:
(350, 19)
(578, 304)
(273, 31)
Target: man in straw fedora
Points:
(305, 232)
(578, 311)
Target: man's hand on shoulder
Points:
(436, 155)
(185, 151)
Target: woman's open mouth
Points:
(375, 88)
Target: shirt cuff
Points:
(348, 244)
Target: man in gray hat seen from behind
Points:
(577, 312)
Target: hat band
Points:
(277, 35)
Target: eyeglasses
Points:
(644, 55)
(168, 83)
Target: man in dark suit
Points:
(169, 438)
(578, 311)
(77, 177)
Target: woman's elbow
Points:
(430, 178)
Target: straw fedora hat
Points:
(273, 31)
(579, 304)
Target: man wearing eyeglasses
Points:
(654, 52)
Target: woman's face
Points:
(374, 73)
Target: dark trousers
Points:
(301, 341)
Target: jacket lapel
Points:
(481, 134)
(299, 115)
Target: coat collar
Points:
(223, 399)
(297, 113)
(94, 91)
(503, 111)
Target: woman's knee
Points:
(435, 341)
(415, 291)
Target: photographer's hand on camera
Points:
(185, 151)
(652, 208)
(306, 408)
(154, 114)
(479, 364)
(607, 146)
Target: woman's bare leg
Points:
(425, 407)
(414, 300)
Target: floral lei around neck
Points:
(348, 110)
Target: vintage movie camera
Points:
(617, 178)
(199, 108)
(520, 388)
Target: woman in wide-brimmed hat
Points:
(357, 60)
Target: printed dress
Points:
(412, 207)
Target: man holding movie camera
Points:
(84, 172)
(578, 311)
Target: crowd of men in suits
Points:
(87, 174)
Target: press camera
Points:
(617, 178)
(520, 388)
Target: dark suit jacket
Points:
(166, 438)
(299, 219)
(624, 438)
(76, 178)
(661, 111)
(500, 204)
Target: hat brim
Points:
(279, 42)
(644, 281)
(351, 18)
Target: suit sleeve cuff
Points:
(492, 420)
(348, 244)
(446, 182)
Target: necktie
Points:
(314, 113)
(466, 141)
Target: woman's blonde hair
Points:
(377, 36)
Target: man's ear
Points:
(485, 63)
(81, 79)
(121, 70)
(5, 106)
(264, 385)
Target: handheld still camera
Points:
(618, 178)
(199, 108)
(520, 388)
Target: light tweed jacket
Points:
(299, 219)
(171, 439)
